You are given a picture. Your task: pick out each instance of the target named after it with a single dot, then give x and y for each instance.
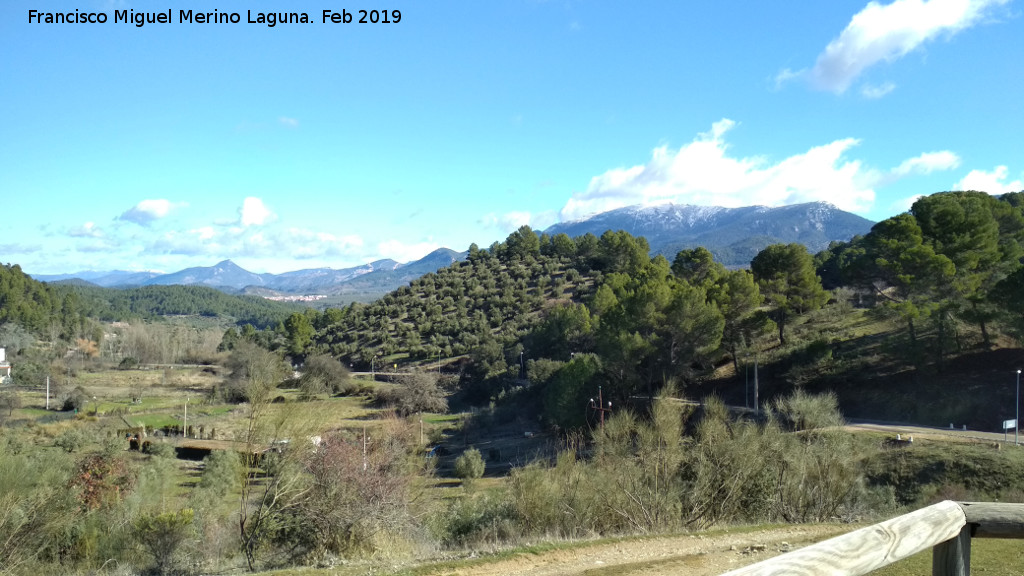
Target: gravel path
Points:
(692, 555)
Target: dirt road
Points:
(695, 555)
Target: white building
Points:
(5, 366)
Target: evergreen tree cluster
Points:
(38, 307)
(953, 260)
(150, 302)
(568, 314)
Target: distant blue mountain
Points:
(375, 278)
(106, 278)
(224, 274)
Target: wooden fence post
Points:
(953, 557)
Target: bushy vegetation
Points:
(648, 475)
(469, 465)
(588, 340)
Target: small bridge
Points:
(947, 528)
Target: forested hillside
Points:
(570, 315)
(149, 302)
(35, 306)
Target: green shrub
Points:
(323, 374)
(470, 465)
(805, 411)
(159, 449)
(70, 440)
(418, 392)
(478, 519)
(162, 534)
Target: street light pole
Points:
(746, 384)
(757, 402)
(600, 407)
(1017, 406)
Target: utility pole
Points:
(185, 427)
(757, 405)
(746, 385)
(600, 407)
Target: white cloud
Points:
(270, 243)
(402, 252)
(305, 244)
(888, 32)
(87, 230)
(993, 182)
(543, 220)
(149, 210)
(927, 163)
(703, 173)
(874, 92)
(288, 122)
(506, 222)
(191, 243)
(205, 232)
(786, 75)
(254, 213)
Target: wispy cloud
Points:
(873, 92)
(927, 163)
(274, 243)
(994, 182)
(288, 122)
(306, 244)
(403, 252)
(87, 230)
(889, 32)
(506, 222)
(147, 211)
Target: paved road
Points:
(911, 429)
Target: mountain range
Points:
(733, 235)
(374, 278)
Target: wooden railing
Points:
(946, 528)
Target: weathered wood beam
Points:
(862, 551)
(953, 557)
(994, 519)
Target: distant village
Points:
(302, 298)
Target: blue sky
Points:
(306, 145)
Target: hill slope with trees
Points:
(569, 315)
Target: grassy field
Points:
(988, 556)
